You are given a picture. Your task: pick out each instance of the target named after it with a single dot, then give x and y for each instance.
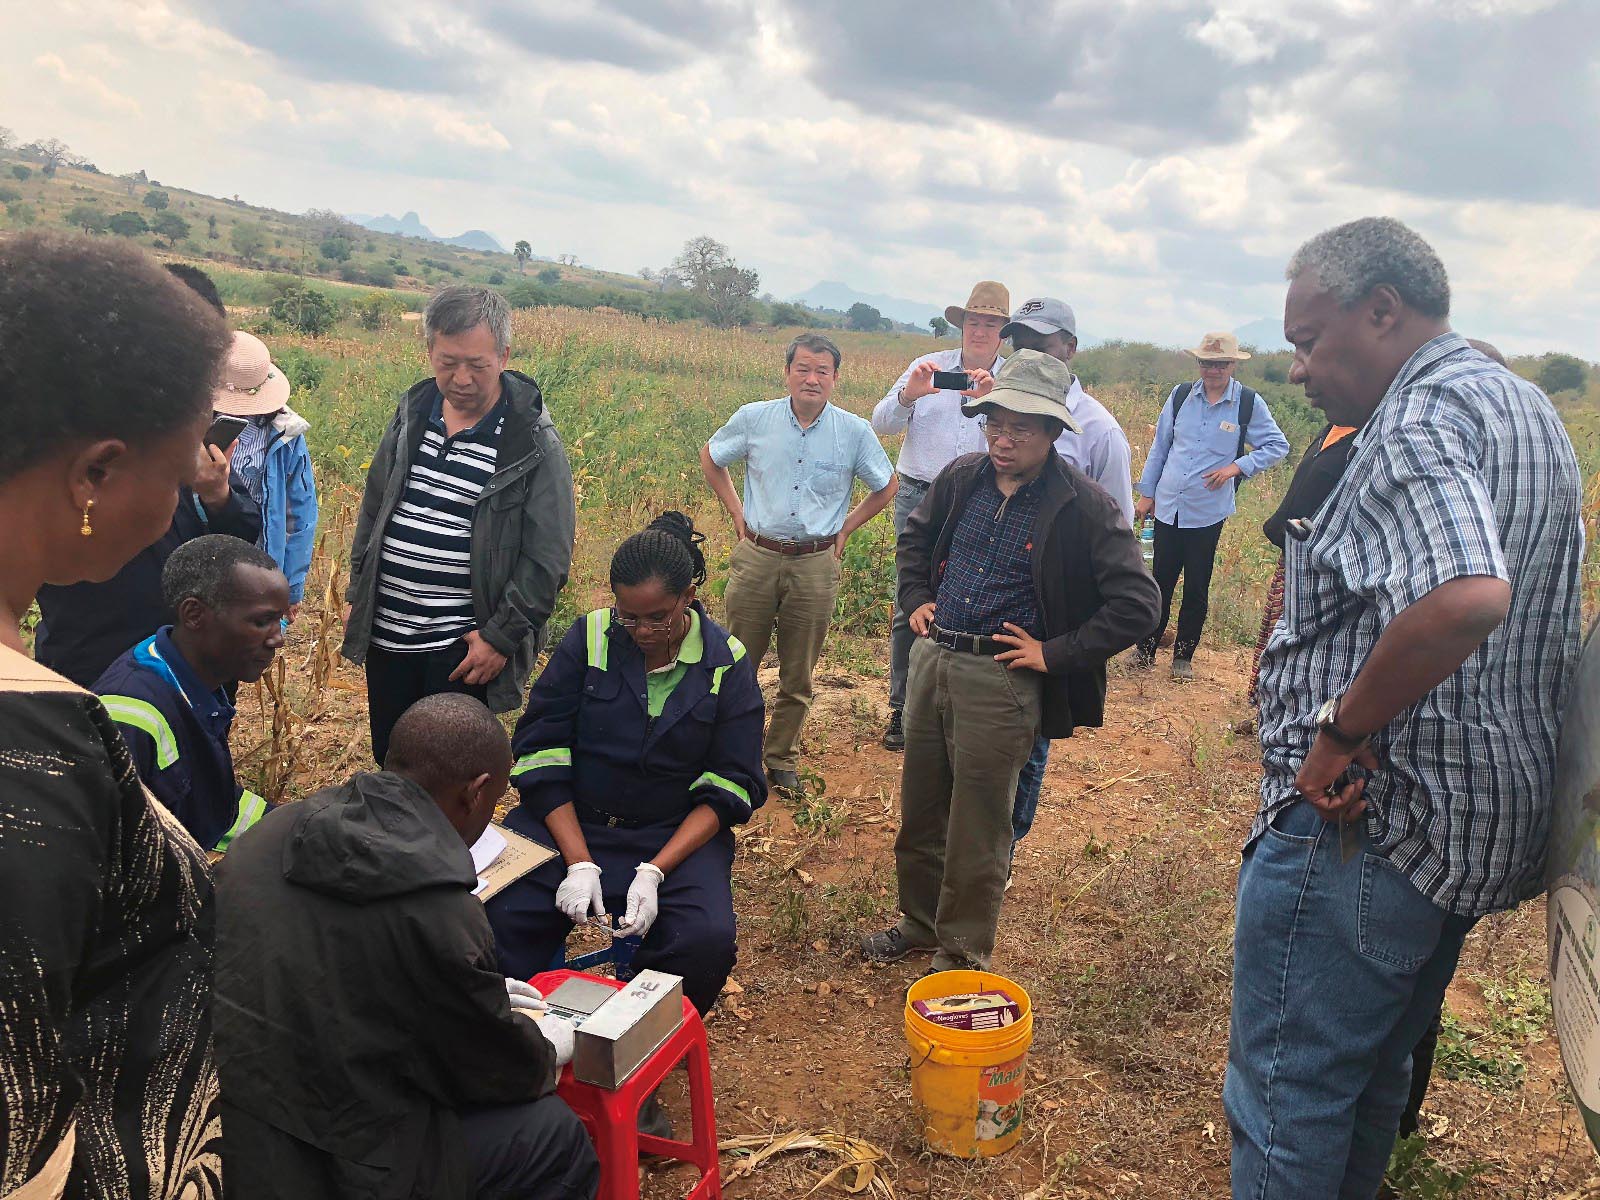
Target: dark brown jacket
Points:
(1096, 597)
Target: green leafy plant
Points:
(1414, 1174)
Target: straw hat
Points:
(988, 299)
(251, 385)
(1214, 347)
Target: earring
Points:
(87, 530)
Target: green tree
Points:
(336, 248)
(211, 227)
(722, 285)
(378, 311)
(87, 217)
(1562, 373)
(522, 252)
(305, 309)
(21, 173)
(8, 194)
(20, 214)
(156, 199)
(171, 226)
(249, 238)
(785, 314)
(127, 224)
(939, 326)
(548, 275)
(864, 318)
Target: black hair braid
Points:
(668, 550)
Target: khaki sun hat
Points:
(988, 299)
(1218, 346)
(1029, 382)
(251, 385)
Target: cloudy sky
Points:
(1152, 161)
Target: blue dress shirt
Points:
(797, 481)
(1206, 437)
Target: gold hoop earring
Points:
(87, 530)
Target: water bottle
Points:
(1147, 540)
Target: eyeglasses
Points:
(1017, 435)
(643, 624)
(1215, 365)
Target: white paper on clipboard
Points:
(502, 857)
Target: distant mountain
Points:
(411, 225)
(1265, 334)
(840, 296)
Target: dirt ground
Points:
(1119, 926)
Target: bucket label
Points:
(1000, 1091)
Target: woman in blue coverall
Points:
(639, 751)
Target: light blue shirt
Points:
(1207, 437)
(797, 481)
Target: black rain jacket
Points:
(357, 1001)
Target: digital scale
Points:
(617, 1028)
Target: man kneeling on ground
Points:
(367, 1044)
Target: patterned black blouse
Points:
(105, 959)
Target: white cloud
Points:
(87, 84)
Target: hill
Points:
(411, 225)
(1264, 334)
(838, 297)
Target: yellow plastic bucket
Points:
(967, 1085)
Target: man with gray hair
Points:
(1410, 702)
(466, 525)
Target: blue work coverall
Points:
(587, 738)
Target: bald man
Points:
(366, 1040)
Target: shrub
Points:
(9, 194)
(377, 311)
(548, 275)
(303, 369)
(21, 173)
(305, 309)
(128, 224)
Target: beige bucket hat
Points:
(1214, 347)
(988, 299)
(1029, 382)
(251, 385)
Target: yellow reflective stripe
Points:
(555, 756)
(598, 622)
(712, 779)
(251, 809)
(147, 718)
(738, 651)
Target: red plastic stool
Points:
(612, 1117)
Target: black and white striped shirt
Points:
(1463, 470)
(425, 561)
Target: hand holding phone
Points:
(225, 430)
(951, 381)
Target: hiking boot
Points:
(1182, 668)
(788, 781)
(888, 946)
(894, 737)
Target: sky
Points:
(1152, 162)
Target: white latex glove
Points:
(525, 996)
(559, 1034)
(643, 904)
(579, 894)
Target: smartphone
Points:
(225, 430)
(952, 381)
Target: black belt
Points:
(588, 814)
(966, 643)
(915, 482)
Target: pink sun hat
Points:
(251, 385)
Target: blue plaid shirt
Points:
(1463, 470)
(988, 578)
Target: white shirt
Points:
(936, 432)
(1101, 450)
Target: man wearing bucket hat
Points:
(1195, 464)
(271, 457)
(1099, 449)
(936, 433)
(1021, 579)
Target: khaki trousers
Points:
(794, 594)
(970, 725)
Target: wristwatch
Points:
(1327, 717)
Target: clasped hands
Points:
(580, 897)
(1026, 650)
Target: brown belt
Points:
(788, 547)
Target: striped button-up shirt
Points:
(1463, 470)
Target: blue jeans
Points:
(900, 636)
(1029, 783)
(1338, 968)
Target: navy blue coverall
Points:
(587, 738)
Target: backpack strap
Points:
(1247, 412)
(1177, 403)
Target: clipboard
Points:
(520, 856)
